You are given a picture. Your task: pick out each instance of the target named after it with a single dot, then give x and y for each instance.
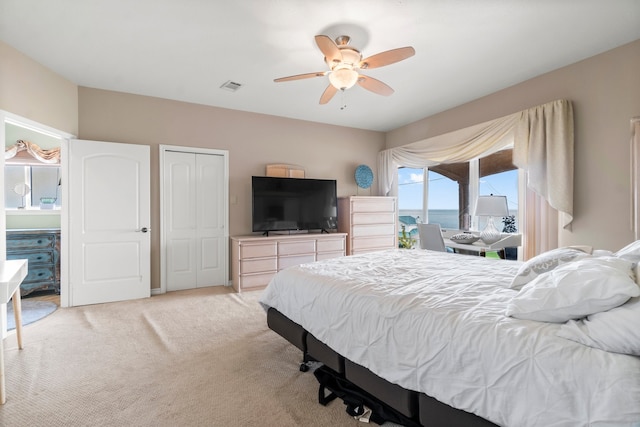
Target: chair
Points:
(431, 237)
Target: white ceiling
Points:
(186, 49)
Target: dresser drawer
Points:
(329, 255)
(373, 230)
(290, 261)
(250, 281)
(258, 250)
(40, 274)
(298, 247)
(259, 265)
(18, 242)
(382, 204)
(380, 242)
(373, 218)
(33, 257)
(330, 245)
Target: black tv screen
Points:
(286, 204)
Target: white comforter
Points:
(434, 322)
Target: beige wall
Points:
(32, 91)
(605, 92)
(253, 140)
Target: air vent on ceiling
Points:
(231, 86)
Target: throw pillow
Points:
(545, 262)
(575, 290)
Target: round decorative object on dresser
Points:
(364, 176)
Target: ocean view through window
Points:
(442, 194)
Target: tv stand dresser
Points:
(256, 259)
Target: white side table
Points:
(12, 273)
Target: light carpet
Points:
(202, 357)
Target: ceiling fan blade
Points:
(387, 57)
(301, 76)
(375, 86)
(329, 49)
(328, 94)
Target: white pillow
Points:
(630, 252)
(616, 330)
(575, 290)
(545, 262)
(602, 252)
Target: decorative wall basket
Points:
(364, 178)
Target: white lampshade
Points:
(492, 206)
(343, 77)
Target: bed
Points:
(428, 334)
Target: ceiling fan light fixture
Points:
(343, 78)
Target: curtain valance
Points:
(542, 139)
(51, 156)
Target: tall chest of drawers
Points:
(41, 247)
(370, 222)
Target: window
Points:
(410, 199)
(499, 176)
(444, 205)
(449, 189)
(43, 182)
(503, 184)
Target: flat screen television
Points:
(288, 204)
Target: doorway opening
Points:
(32, 206)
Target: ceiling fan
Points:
(344, 63)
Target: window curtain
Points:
(541, 225)
(542, 139)
(44, 156)
(543, 147)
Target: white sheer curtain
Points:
(541, 225)
(458, 146)
(542, 139)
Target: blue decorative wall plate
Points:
(364, 176)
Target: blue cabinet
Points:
(42, 248)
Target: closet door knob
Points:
(144, 230)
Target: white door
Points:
(195, 220)
(109, 239)
(180, 229)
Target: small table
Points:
(508, 240)
(12, 273)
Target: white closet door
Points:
(210, 219)
(195, 212)
(181, 228)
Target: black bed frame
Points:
(419, 407)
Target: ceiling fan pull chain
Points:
(343, 99)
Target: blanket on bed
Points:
(435, 323)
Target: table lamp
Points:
(491, 206)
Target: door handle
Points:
(144, 230)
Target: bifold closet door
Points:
(194, 213)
